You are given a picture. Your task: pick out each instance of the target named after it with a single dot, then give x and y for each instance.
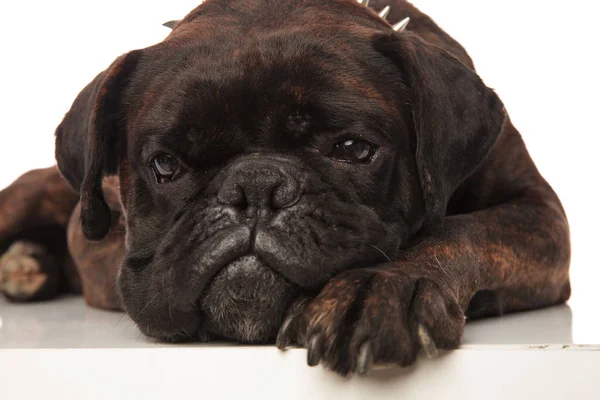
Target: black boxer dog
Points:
(300, 171)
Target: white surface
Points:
(541, 57)
(69, 323)
(256, 373)
(64, 349)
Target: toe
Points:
(293, 328)
(316, 346)
(285, 336)
(438, 319)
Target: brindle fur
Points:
(501, 245)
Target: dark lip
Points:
(214, 254)
(283, 260)
(235, 242)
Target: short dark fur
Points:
(266, 235)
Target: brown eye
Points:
(166, 167)
(353, 150)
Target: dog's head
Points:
(264, 147)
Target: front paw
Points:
(368, 316)
(28, 272)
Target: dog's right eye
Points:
(166, 167)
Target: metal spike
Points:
(384, 12)
(364, 2)
(401, 26)
(171, 24)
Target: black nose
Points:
(260, 184)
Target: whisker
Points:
(440, 264)
(119, 320)
(129, 326)
(170, 315)
(381, 251)
(194, 306)
(146, 306)
(186, 332)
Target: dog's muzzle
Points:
(247, 296)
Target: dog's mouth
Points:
(246, 278)
(241, 279)
(246, 300)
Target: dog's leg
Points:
(525, 254)
(34, 262)
(511, 257)
(98, 262)
(506, 256)
(38, 259)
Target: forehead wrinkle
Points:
(345, 61)
(258, 66)
(165, 100)
(368, 92)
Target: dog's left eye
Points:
(353, 150)
(166, 167)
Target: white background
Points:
(540, 56)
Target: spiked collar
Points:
(398, 27)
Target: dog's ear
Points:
(456, 117)
(87, 141)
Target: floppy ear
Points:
(87, 141)
(456, 118)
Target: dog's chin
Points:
(246, 301)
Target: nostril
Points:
(286, 194)
(259, 186)
(240, 200)
(232, 194)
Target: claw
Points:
(427, 343)
(290, 329)
(315, 350)
(283, 337)
(365, 358)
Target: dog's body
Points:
(306, 174)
